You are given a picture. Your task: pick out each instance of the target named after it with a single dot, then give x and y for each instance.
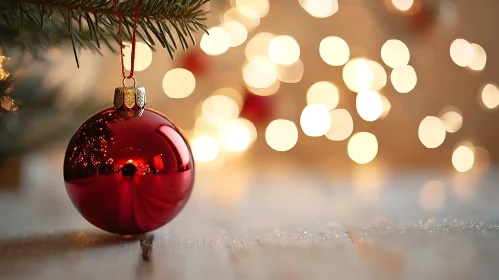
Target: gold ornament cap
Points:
(130, 99)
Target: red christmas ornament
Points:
(257, 109)
(195, 61)
(128, 170)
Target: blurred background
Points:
(300, 113)
(315, 85)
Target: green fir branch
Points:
(37, 25)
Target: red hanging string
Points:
(134, 38)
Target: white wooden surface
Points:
(247, 224)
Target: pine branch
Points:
(36, 25)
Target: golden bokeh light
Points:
(358, 75)
(479, 59)
(461, 52)
(237, 135)
(463, 158)
(260, 73)
(403, 5)
(315, 120)
(387, 106)
(320, 8)
(323, 93)
(203, 127)
(291, 73)
(369, 105)
(179, 83)
(261, 7)
(281, 135)
(490, 96)
(341, 125)
(217, 42)
(251, 127)
(334, 51)
(143, 56)
(284, 50)
(266, 91)
(248, 17)
(232, 93)
(432, 195)
(379, 75)
(218, 109)
(362, 147)
(452, 121)
(431, 132)
(205, 148)
(237, 32)
(395, 54)
(404, 79)
(258, 46)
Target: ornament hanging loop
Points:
(131, 78)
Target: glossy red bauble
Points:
(128, 174)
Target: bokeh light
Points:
(320, 8)
(284, 50)
(323, 93)
(479, 59)
(404, 79)
(232, 93)
(362, 147)
(261, 7)
(452, 121)
(403, 5)
(341, 125)
(205, 148)
(218, 109)
(358, 75)
(490, 96)
(204, 127)
(258, 46)
(461, 52)
(379, 75)
(281, 135)
(463, 158)
(431, 132)
(369, 105)
(291, 73)
(237, 32)
(315, 120)
(266, 91)
(237, 135)
(143, 56)
(432, 195)
(248, 17)
(395, 54)
(260, 73)
(217, 42)
(179, 83)
(387, 106)
(334, 51)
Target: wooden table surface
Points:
(272, 225)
